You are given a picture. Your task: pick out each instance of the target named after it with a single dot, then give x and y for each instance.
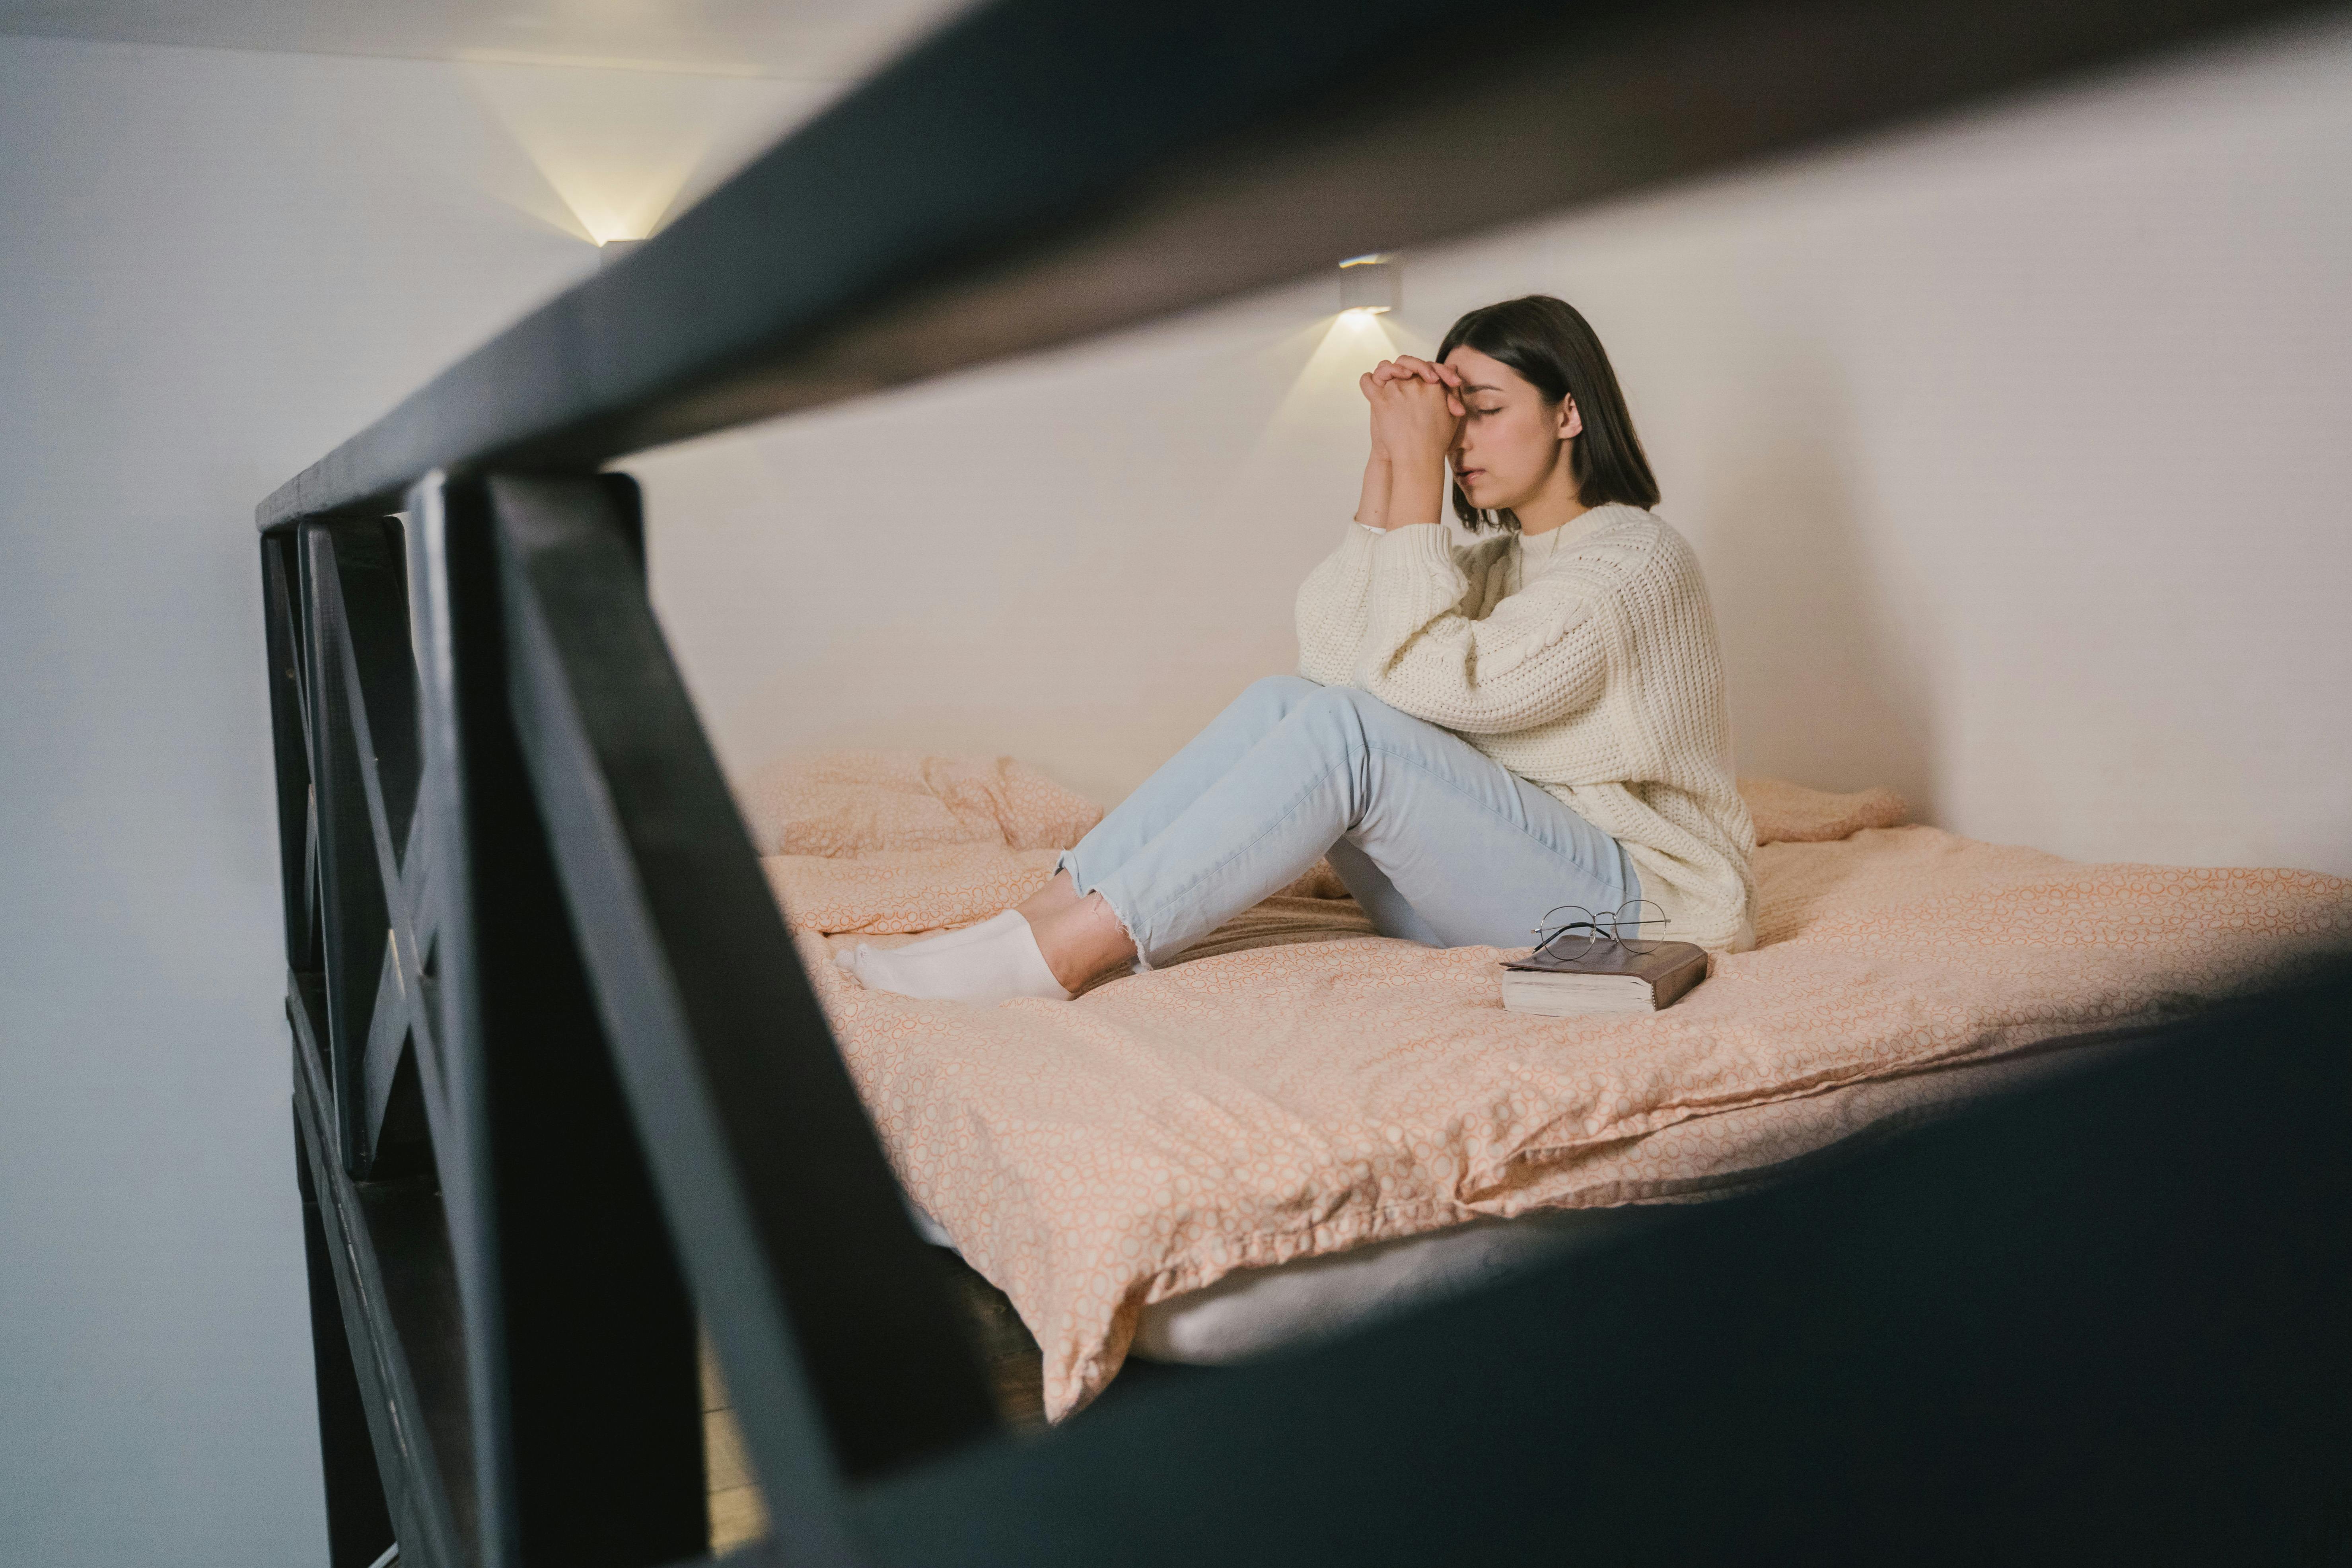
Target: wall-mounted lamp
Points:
(1371, 284)
(611, 250)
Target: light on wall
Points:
(1370, 284)
(610, 153)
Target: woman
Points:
(1474, 736)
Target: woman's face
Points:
(1512, 442)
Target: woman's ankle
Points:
(1059, 894)
(1081, 940)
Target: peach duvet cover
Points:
(1299, 1086)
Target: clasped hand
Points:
(1416, 409)
(1416, 416)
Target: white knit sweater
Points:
(1597, 678)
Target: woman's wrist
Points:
(1416, 418)
(1372, 508)
(1416, 492)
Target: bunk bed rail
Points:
(786, 1214)
(561, 1088)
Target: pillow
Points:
(847, 804)
(1786, 812)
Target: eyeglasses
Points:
(1569, 931)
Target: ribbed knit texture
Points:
(1597, 678)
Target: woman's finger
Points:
(1435, 374)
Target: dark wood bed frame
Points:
(560, 1089)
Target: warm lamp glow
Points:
(622, 148)
(1322, 403)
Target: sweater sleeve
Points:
(1538, 656)
(1333, 604)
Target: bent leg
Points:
(1059, 937)
(1184, 778)
(1475, 853)
(1391, 915)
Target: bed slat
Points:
(844, 1352)
(582, 1397)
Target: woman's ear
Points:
(1572, 419)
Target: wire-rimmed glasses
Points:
(1572, 931)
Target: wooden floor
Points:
(738, 1514)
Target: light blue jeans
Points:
(1439, 842)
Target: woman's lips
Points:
(1466, 478)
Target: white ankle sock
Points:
(987, 963)
(847, 957)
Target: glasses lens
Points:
(1636, 924)
(1568, 932)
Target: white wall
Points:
(213, 266)
(2011, 445)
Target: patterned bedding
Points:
(1299, 1085)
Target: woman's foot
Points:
(1049, 947)
(993, 962)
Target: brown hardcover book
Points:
(1608, 977)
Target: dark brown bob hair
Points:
(1553, 346)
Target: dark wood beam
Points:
(1044, 170)
(387, 1045)
(845, 1357)
(359, 1520)
(393, 1288)
(352, 862)
(583, 1391)
(364, 593)
(289, 724)
(360, 625)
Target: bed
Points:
(1301, 1123)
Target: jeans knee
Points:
(1359, 708)
(1348, 718)
(1277, 693)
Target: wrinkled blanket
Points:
(1299, 1086)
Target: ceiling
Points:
(814, 40)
